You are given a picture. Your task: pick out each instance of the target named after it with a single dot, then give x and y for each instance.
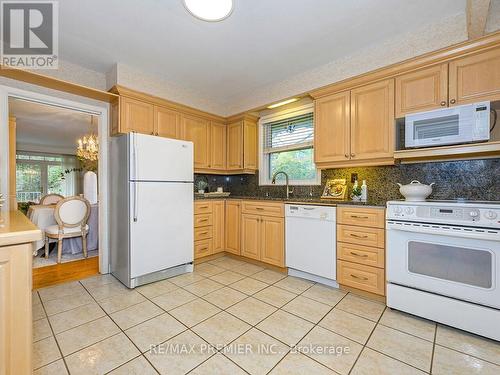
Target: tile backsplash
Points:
(469, 179)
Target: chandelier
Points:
(88, 146)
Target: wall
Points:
(471, 179)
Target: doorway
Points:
(43, 160)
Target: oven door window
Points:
(463, 265)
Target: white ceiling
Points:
(263, 42)
(47, 128)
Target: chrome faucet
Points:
(288, 190)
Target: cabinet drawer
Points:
(361, 235)
(369, 279)
(370, 256)
(202, 207)
(203, 233)
(202, 248)
(263, 208)
(202, 220)
(367, 217)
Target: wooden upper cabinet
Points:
(372, 121)
(331, 128)
(136, 116)
(475, 78)
(197, 130)
(167, 122)
(273, 240)
(235, 146)
(233, 239)
(422, 90)
(250, 236)
(217, 145)
(249, 145)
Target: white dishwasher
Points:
(311, 242)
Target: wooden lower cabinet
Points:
(15, 309)
(263, 238)
(250, 236)
(361, 249)
(233, 227)
(218, 213)
(273, 240)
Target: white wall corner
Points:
(112, 76)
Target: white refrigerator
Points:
(151, 204)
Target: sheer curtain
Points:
(72, 179)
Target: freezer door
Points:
(161, 226)
(160, 159)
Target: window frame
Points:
(264, 178)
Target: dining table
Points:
(43, 216)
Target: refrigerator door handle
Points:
(134, 154)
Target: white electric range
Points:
(443, 262)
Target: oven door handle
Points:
(451, 231)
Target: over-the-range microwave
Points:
(446, 126)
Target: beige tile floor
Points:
(231, 317)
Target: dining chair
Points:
(71, 216)
(50, 199)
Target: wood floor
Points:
(59, 273)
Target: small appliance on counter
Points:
(151, 208)
(447, 126)
(443, 262)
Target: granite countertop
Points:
(15, 228)
(302, 200)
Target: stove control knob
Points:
(474, 214)
(491, 215)
(397, 210)
(409, 210)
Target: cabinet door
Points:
(218, 213)
(372, 121)
(15, 309)
(235, 146)
(250, 236)
(475, 78)
(273, 240)
(197, 130)
(423, 90)
(136, 116)
(233, 217)
(167, 123)
(331, 128)
(217, 145)
(249, 144)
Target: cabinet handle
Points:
(359, 217)
(359, 277)
(203, 207)
(202, 220)
(443, 103)
(152, 133)
(358, 236)
(203, 233)
(259, 208)
(353, 155)
(453, 101)
(206, 248)
(359, 255)
(346, 156)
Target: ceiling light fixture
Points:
(209, 10)
(279, 104)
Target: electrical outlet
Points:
(354, 177)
